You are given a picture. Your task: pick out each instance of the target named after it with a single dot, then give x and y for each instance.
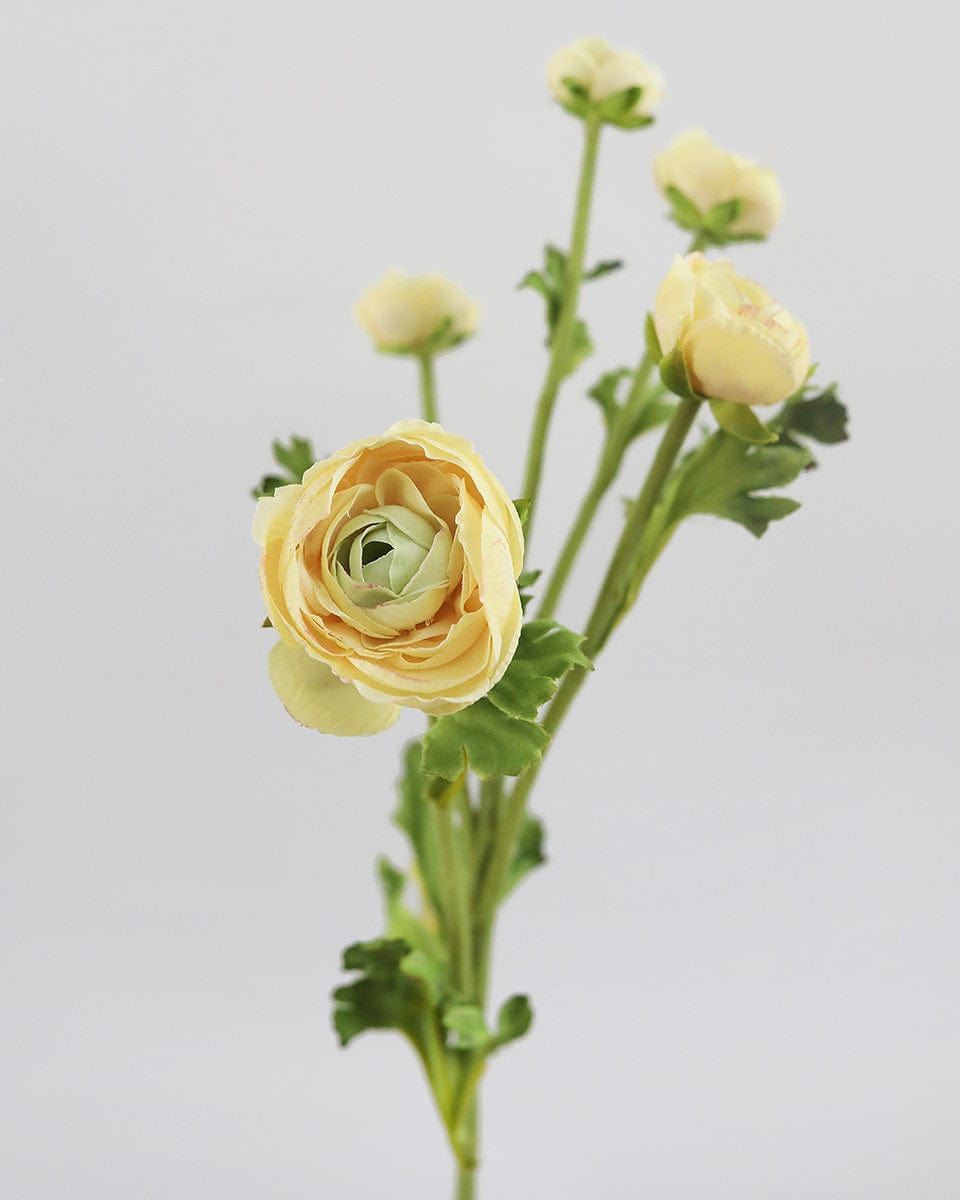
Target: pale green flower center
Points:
(390, 553)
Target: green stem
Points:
(428, 387)
(560, 342)
(611, 457)
(697, 242)
(608, 608)
(456, 895)
(466, 1183)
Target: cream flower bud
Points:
(735, 341)
(415, 314)
(389, 575)
(709, 175)
(600, 71)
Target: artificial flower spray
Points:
(393, 572)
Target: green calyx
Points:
(390, 553)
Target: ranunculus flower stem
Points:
(560, 345)
(607, 468)
(428, 387)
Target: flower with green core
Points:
(390, 575)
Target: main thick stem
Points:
(560, 342)
(428, 387)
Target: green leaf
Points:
(616, 107)
(605, 267)
(529, 853)
(673, 373)
(296, 458)
(544, 654)
(650, 340)
(580, 347)
(684, 212)
(484, 737)
(723, 475)
(741, 421)
(385, 996)
(523, 509)
(604, 391)
(513, 1020)
(821, 417)
(414, 818)
(407, 926)
(720, 216)
(525, 582)
(555, 265)
(655, 412)
(467, 1023)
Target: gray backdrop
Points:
(743, 955)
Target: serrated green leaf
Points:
(722, 475)
(544, 654)
(414, 818)
(296, 457)
(821, 417)
(528, 855)
(742, 422)
(513, 1020)
(486, 738)
(466, 1022)
(384, 997)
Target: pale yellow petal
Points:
(315, 697)
(729, 359)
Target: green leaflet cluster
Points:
(551, 284)
(295, 457)
(499, 734)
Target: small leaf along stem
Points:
(428, 387)
(560, 342)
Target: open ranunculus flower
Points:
(390, 575)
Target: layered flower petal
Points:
(394, 565)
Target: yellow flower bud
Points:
(735, 341)
(601, 71)
(415, 314)
(708, 175)
(390, 575)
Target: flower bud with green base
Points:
(589, 78)
(416, 315)
(719, 196)
(724, 338)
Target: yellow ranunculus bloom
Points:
(736, 342)
(406, 314)
(390, 575)
(708, 175)
(602, 71)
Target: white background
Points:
(743, 955)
